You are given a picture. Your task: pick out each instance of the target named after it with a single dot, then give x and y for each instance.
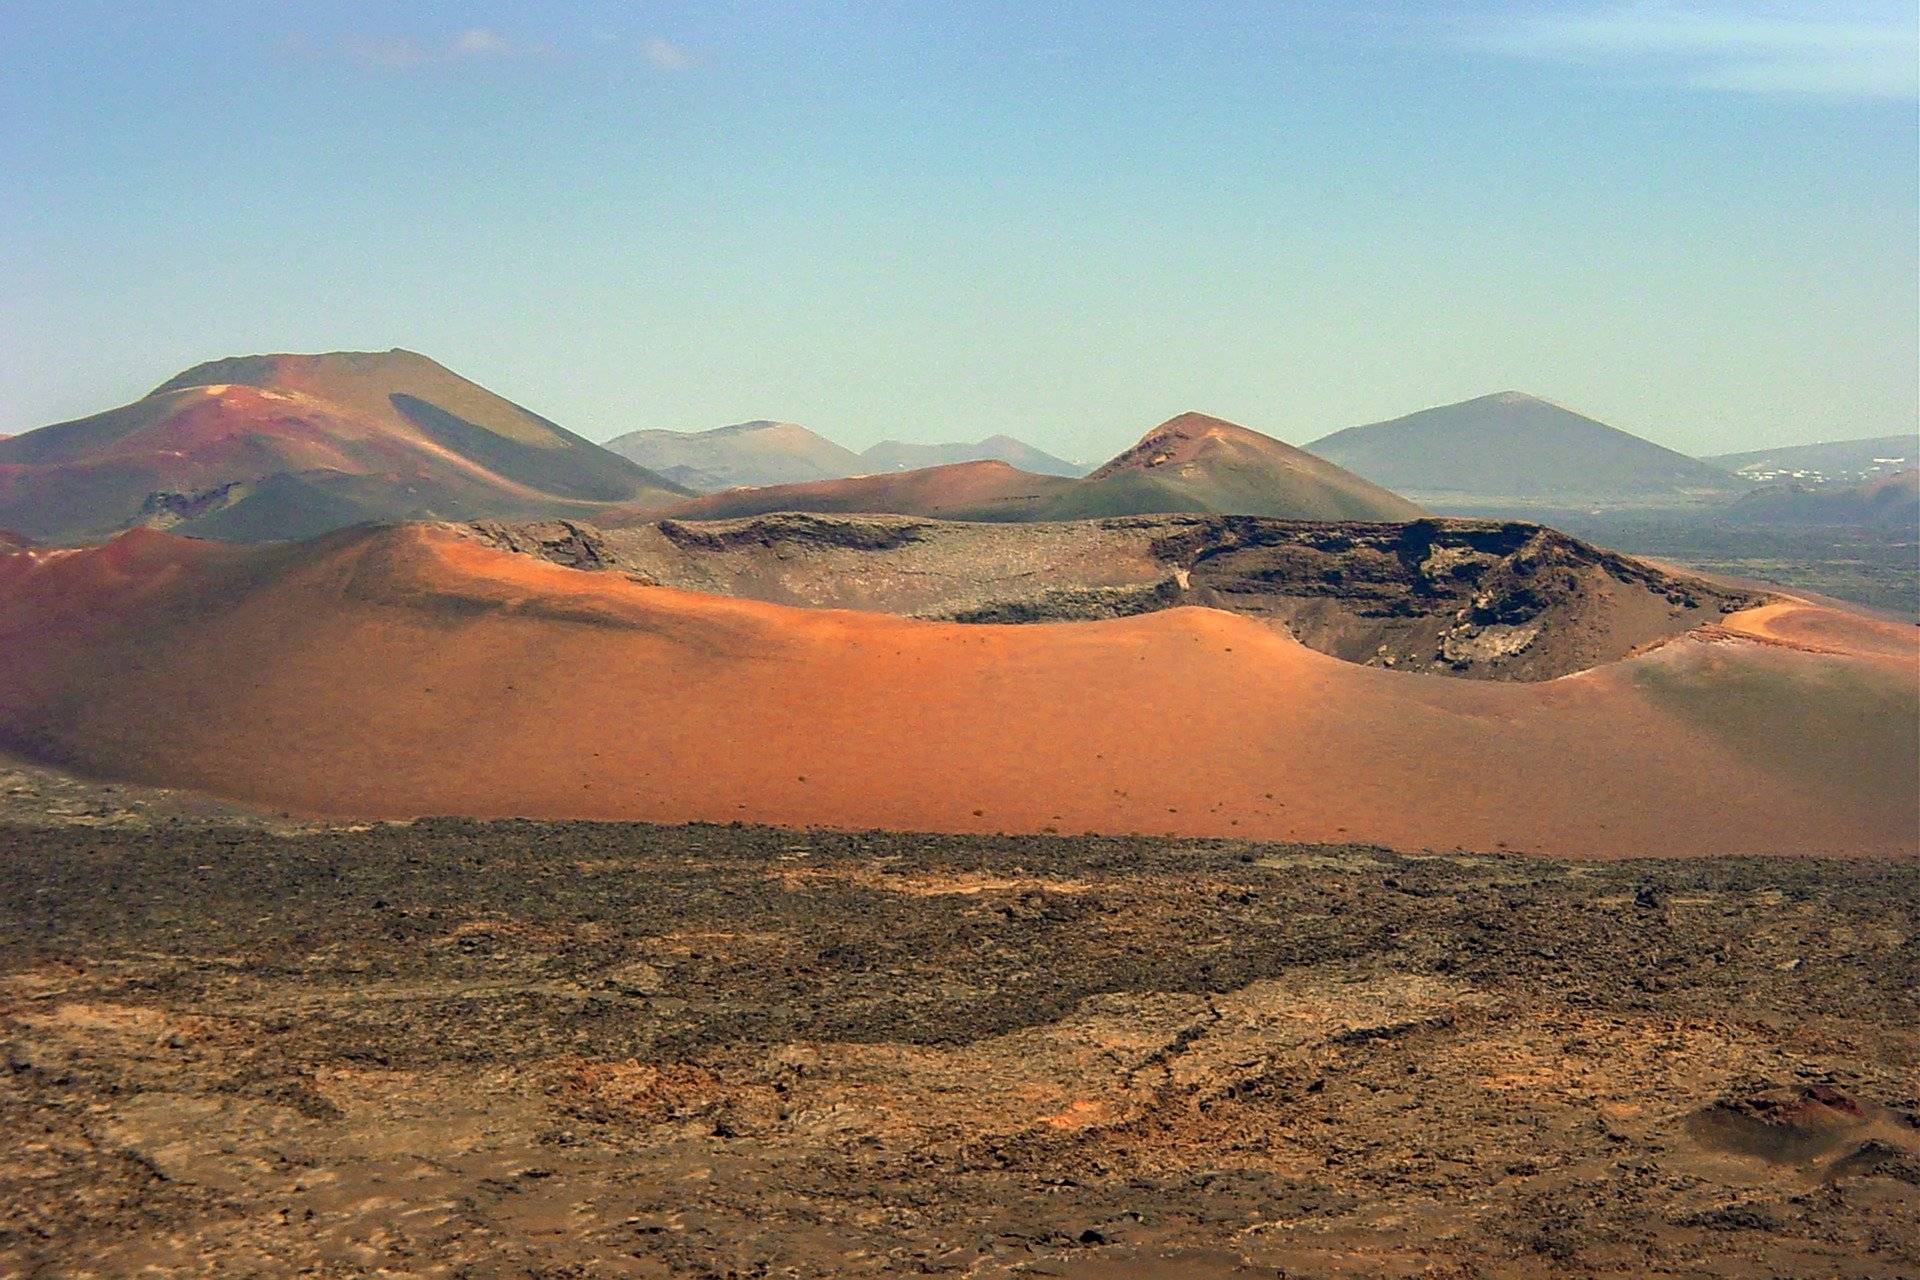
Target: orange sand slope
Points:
(406, 671)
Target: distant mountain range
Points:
(268, 447)
(896, 455)
(284, 446)
(1518, 450)
(746, 453)
(958, 491)
(1192, 463)
(1890, 501)
(1508, 451)
(1832, 462)
(753, 454)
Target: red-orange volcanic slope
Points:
(284, 446)
(408, 671)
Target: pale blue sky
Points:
(1696, 221)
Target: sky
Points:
(1696, 221)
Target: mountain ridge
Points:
(901, 455)
(287, 445)
(1889, 501)
(1515, 447)
(1840, 461)
(759, 452)
(1191, 463)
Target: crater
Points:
(1476, 599)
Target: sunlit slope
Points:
(415, 671)
(1200, 463)
(287, 446)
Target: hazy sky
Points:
(1067, 221)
